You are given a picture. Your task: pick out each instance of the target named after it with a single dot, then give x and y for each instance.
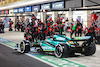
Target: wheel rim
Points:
(58, 51)
(22, 47)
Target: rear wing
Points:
(85, 38)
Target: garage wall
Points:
(73, 3)
(88, 3)
(77, 14)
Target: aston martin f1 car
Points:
(61, 45)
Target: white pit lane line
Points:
(40, 60)
(77, 62)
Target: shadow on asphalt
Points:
(75, 56)
(71, 56)
(17, 53)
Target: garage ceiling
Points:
(24, 3)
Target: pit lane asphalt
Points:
(12, 58)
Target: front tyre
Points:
(61, 50)
(24, 47)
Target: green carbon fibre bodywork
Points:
(59, 40)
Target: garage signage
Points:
(21, 10)
(57, 5)
(36, 7)
(45, 6)
(6, 12)
(28, 9)
(2, 12)
(15, 10)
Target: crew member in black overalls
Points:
(79, 28)
(27, 24)
(40, 27)
(44, 32)
(2, 27)
(10, 25)
(32, 28)
(60, 26)
(17, 25)
(22, 24)
(36, 33)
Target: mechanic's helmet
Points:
(39, 20)
(38, 25)
(94, 23)
(71, 23)
(87, 28)
(91, 26)
(32, 18)
(36, 28)
(91, 30)
(27, 29)
(27, 20)
(43, 24)
(78, 21)
(9, 20)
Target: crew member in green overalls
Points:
(72, 29)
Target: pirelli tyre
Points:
(61, 50)
(98, 39)
(25, 46)
(90, 50)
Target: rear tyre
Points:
(90, 50)
(24, 47)
(72, 53)
(98, 39)
(61, 50)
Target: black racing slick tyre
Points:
(90, 50)
(61, 50)
(25, 46)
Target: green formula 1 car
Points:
(62, 46)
